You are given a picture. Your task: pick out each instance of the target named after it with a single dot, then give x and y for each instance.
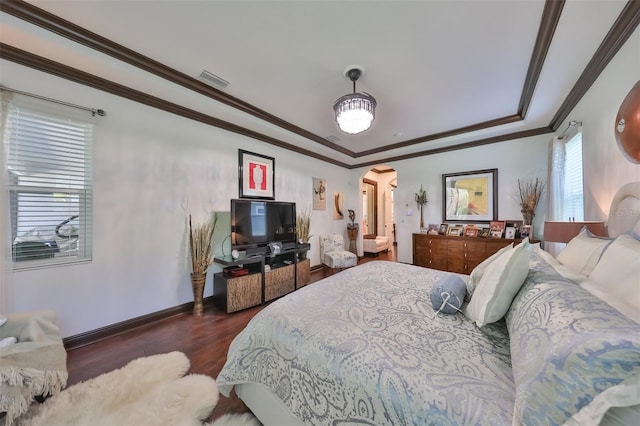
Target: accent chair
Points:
(333, 253)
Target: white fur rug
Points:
(246, 419)
(149, 391)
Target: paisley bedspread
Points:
(365, 346)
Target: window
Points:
(48, 152)
(573, 203)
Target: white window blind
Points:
(49, 161)
(573, 205)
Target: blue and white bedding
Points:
(365, 346)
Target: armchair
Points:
(333, 253)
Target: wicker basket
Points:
(303, 273)
(244, 292)
(278, 282)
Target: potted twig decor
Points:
(421, 200)
(529, 192)
(201, 251)
(303, 225)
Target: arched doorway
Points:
(378, 216)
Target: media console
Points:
(268, 277)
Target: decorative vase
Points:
(302, 255)
(352, 230)
(527, 217)
(197, 284)
(421, 219)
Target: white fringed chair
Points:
(33, 364)
(333, 253)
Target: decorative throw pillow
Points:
(583, 252)
(499, 284)
(570, 352)
(616, 277)
(447, 294)
(478, 271)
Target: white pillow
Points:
(559, 267)
(583, 252)
(616, 277)
(478, 271)
(499, 285)
(622, 400)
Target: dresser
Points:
(454, 254)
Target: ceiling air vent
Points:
(333, 139)
(213, 80)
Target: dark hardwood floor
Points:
(204, 340)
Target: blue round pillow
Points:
(447, 294)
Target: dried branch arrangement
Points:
(530, 191)
(201, 245)
(303, 225)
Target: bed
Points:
(537, 345)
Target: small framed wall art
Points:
(319, 193)
(338, 206)
(256, 175)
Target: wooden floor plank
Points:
(204, 340)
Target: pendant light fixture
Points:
(355, 112)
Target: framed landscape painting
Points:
(470, 196)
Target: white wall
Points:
(151, 169)
(606, 169)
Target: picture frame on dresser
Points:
(256, 175)
(496, 228)
(526, 231)
(470, 196)
(455, 230)
(510, 232)
(471, 231)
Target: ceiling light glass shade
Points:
(355, 112)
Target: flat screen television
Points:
(256, 223)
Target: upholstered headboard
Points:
(624, 214)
